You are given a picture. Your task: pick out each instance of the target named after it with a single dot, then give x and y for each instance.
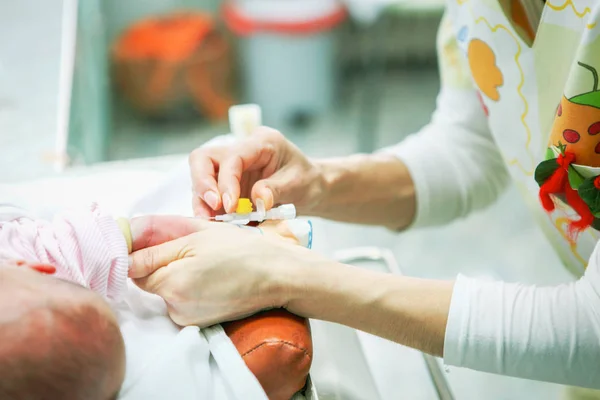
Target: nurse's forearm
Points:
(409, 311)
(542, 333)
(367, 189)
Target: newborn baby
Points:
(52, 324)
(57, 339)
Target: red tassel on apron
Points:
(558, 183)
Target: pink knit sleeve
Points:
(86, 247)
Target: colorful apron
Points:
(539, 97)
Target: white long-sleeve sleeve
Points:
(543, 333)
(454, 162)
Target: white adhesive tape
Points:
(302, 230)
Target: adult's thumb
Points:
(273, 190)
(146, 261)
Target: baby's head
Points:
(57, 340)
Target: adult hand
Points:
(265, 166)
(220, 273)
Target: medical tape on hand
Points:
(302, 231)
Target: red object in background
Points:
(244, 26)
(40, 267)
(44, 268)
(161, 64)
(173, 38)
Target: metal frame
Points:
(385, 256)
(67, 68)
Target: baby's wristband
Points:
(126, 230)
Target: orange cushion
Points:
(276, 346)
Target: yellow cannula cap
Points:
(244, 206)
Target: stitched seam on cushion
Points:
(277, 341)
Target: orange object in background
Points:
(164, 63)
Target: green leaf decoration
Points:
(588, 193)
(544, 170)
(591, 99)
(575, 178)
(550, 153)
(562, 147)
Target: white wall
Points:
(29, 70)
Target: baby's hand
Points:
(148, 231)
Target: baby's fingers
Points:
(152, 230)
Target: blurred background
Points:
(119, 80)
(106, 85)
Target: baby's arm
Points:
(86, 247)
(91, 248)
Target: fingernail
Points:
(130, 262)
(267, 196)
(227, 202)
(212, 199)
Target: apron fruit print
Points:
(548, 135)
(569, 170)
(577, 124)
